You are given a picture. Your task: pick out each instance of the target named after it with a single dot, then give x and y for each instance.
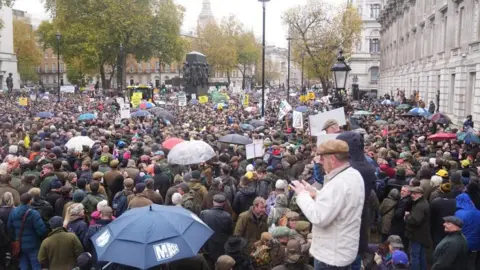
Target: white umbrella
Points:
(190, 152)
(78, 142)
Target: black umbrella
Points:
(257, 123)
(165, 115)
(235, 139)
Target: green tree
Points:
(25, 47)
(319, 30)
(249, 52)
(94, 31)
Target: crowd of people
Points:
(382, 195)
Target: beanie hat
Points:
(76, 209)
(250, 168)
(55, 222)
(445, 187)
(280, 184)
(224, 262)
(456, 178)
(280, 232)
(78, 196)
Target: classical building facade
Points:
(365, 60)
(8, 59)
(433, 46)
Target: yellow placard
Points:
(220, 106)
(245, 101)
(303, 98)
(311, 96)
(136, 99)
(23, 101)
(203, 99)
(226, 96)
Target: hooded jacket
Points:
(244, 198)
(470, 216)
(387, 210)
(161, 181)
(280, 208)
(360, 163)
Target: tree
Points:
(25, 47)
(249, 51)
(319, 30)
(94, 31)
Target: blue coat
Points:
(470, 216)
(33, 231)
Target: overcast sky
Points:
(247, 11)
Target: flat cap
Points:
(329, 123)
(292, 215)
(416, 190)
(97, 175)
(48, 166)
(332, 147)
(302, 226)
(454, 220)
(219, 198)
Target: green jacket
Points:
(451, 252)
(60, 250)
(34, 173)
(90, 202)
(45, 184)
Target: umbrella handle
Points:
(107, 265)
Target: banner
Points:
(245, 100)
(67, 89)
(203, 99)
(136, 99)
(125, 111)
(297, 120)
(23, 101)
(284, 109)
(311, 96)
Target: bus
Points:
(146, 90)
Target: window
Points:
(140, 68)
(46, 54)
(54, 67)
(47, 79)
(46, 68)
(374, 71)
(61, 67)
(131, 69)
(167, 68)
(234, 73)
(149, 67)
(54, 80)
(157, 67)
(445, 31)
(374, 11)
(39, 68)
(374, 45)
(460, 26)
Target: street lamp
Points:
(355, 87)
(438, 101)
(340, 72)
(288, 69)
(264, 3)
(303, 63)
(58, 36)
(120, 71)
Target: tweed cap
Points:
(332, 147)
(454, 220)
(329, 123)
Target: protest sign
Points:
(23, 101)
(125, 111)
(316, 121)
(325, 137)
(245, 100)
(297, 120)
(255, 149)
(136, 99)
(194, 96)
(182, 100)
(203, 99)
(284, 109)
(311, 95)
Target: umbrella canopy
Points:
(302, 109)
(235, 139)
(418, 111)
(403, 107)
(78, 142)
(401, 122)
(45, 115)
(156, 109)
(442, 137)
(247, 127)
(257, 123)
(141, 113)
(146, 105)
(440, 118)
(380, 122)
(86, 116)
(170, 143)
(190, 152)
(362, 113)
(165, 115)
(468, 137)
(152, 235)
(386, 102)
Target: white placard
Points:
(118, 121)
(284, 109)
(194, 96)
(316, 121)
(119, 100)
(297, 120)
(254, 150)
(325, 137)
(67, 89)
(92, 99)
(125, 111)
(80, 108)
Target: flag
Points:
(26, 141)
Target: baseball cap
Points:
(399, 258)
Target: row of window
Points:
(46, 68)
(166, 68)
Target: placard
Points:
(316, 121)
(297, 120)
(254, 150)
(182, 100)
(245, 100)
(79, 108)
(23, 101)
(284, 109)
(303, 98)
(311, 96)
(136, 99)
(194, 96)
(203, 99)
(325, 137)
(67, 89)
(125, 111)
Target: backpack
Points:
(197, 197)
(261, 256)
(119, 203)
(192, 206)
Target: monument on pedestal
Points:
(8, 59)
(195, 74)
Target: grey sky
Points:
(248, 12)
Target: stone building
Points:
(433, 46)
(8, 59)
(365, 59)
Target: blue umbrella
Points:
(86, 116)
(141, 113)
(152, 235)
(194, 101)
(302, 109)
(45, 115)
(225, 105)
(468, 137)
(247, 127)
(419, 111)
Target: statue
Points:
(9, 82)
(196, 71)
(207, 73)
(186, 72)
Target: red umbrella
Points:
(170, 143)
(442, 137)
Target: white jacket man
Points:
(336, 210)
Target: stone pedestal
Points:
(8, 59)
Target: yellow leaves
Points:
(25, 47)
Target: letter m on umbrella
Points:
(165, 251)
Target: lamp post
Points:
(264, 4)
(288, 68)
(340, 72)
(120, 71)
(355, 87)
(58, 36)
(438, 101)
(303, 62)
